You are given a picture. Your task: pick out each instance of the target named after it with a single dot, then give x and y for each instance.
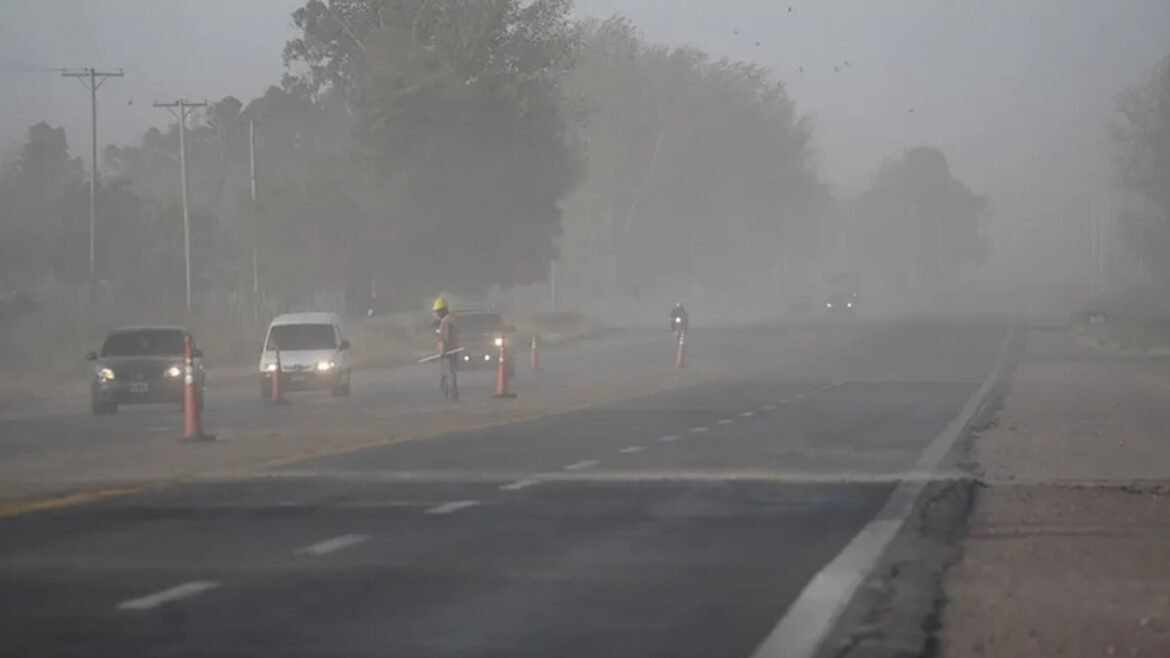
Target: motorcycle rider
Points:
(679, 319)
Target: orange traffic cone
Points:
(192, 413)
(277, 387)
(502, 372)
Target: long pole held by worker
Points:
(192, 409)
(535, 354)
(680, 356)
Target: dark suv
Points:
(142, 365)
(480, 334)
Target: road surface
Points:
(680, 523)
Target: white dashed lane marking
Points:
(769, 407)
(582, 465)
(517, 486)
(748, 414)
(448, 508)
(331, 545)
(670, 438)
(724, 421)
(699, 430)
(176, 593)
(631, 450)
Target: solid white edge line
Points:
(447, 508)
(186, 590)
(518, 485)
(581, 465)
(330, 545)
(810, 619)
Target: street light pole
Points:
(183, 105)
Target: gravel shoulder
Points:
(1068, 544)
(1048, 531)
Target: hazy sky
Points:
(1016, 92)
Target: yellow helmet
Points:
(440, 304)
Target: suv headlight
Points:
(269, 367)
(499, 341)
(325, 365)
(105, 374)
(174, 371)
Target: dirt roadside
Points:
(1068, 546)
(1050, 535)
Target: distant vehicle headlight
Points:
(828, 304)
(174, 371)
(849, 304)
(271, 367)
(499, 341)
(325, 365)
(105, 373)
(487, 357)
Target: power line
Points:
(92, 79)
(180, 108)
(17, 66)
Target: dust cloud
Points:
(751, 159)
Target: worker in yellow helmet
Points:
(448, 347)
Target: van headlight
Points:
(325, 365)
(174, 371)
(499, 341)
(105, 374)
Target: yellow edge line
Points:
(79, 498)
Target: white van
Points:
(314, 354)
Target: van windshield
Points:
(292, 337)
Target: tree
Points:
(35, 217)
(918, 221)
(1142, 135)
(459, 158)
(701, 170)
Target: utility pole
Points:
(552, 284)
(92, 79)
(255, 219)
(182, 106)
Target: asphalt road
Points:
(680, 524)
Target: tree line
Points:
(415, 146)
(1141, 134)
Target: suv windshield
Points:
(302, 337)
(146, 342)
(474, 324)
